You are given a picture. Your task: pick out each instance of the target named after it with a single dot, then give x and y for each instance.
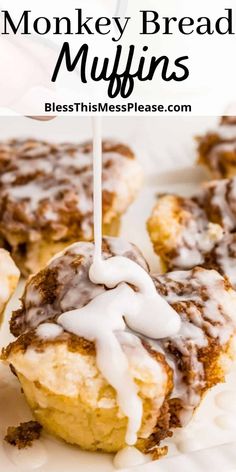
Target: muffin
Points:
(9, 276)
(218, 200)
(217, 149)
(202, 352)
(46, 196)
(186, 232)
(59, 373)
(181, 232)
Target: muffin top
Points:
(48, 187)
(207, 306)
(217, 148)
(218, 198)
(65, 285)
(181, 231)
(204, 299)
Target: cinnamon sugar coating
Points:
(194, 360)
(65, 285)
(202, 298)
(217, 149)
(46, 195)
(186, 232)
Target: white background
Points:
(26, 66)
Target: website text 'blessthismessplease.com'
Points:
(103, 107)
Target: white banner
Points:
(128, 57)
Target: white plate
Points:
(51, 455)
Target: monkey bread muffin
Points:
(46, 196)
(59, 372)
(217, 149)
(200, 230)
(181, 233)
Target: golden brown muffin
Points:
(58, 372)
(200, 354)
(218, 200)
(186, 232)
(46, 196)
(223, 258)
(72, 400)
(217, 149)
(59, 376)
(181, 233)
(9, 276)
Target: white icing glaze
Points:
(226, 257)
(31, 458)
(141, 308)
(226, 422)
(49, 330)
(101, 319)
(98, 322)
(189, 331)
(226, 401)
(189, 444)
(129, 457)
(219, 303)
(220, 200)
(144, 310)
(198, 238)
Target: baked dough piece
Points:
(58, 372)
(217, 149)
(59, 376)
(9, 276)
(218, 200)
(181, 232)
(186, 232)
(202, 352)
(46, 196)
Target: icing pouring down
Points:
(132, 301)
(112, 357)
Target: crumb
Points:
(23, 435)
(159, 452)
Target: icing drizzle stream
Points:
(141, 308)
(97, 187)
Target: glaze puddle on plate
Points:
(211, 426)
